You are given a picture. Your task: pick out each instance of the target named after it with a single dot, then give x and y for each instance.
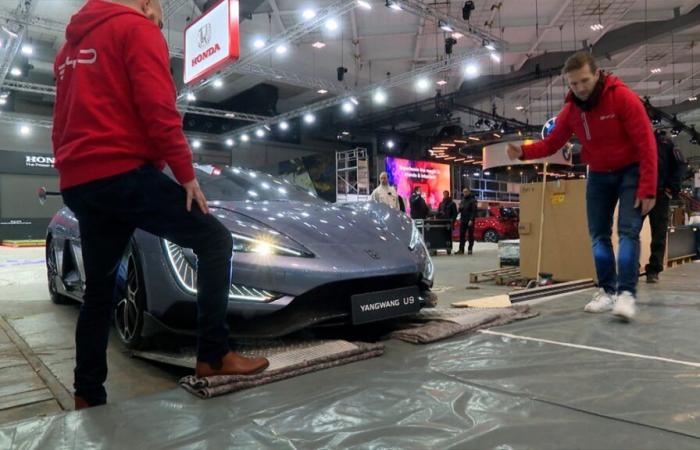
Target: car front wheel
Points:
(130, 308)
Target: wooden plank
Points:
(496, 301)
(30, 411)
(25, 398)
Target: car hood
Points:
(317, 223)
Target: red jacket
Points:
(614, 134)
(115, 101)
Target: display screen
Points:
(406, 174)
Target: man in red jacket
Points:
(115, 127)
(619, 147)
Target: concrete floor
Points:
(37, 349)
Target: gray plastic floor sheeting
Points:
(578, 381)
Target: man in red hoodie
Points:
(619, 147)
(115, 127)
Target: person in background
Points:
(419, 208)
(467, 210)
(447, 209)
(385, 193)
(671, 168)
(619, 147)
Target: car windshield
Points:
(237, 184)
(509, 213)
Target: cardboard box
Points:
(566, 247)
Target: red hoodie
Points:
(115, 101)
(614, 134)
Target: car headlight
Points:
(183, 263)
(263, 246)
(416, 237)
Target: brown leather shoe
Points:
(80, 403)
(232, 364)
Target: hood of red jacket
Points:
(93, 14)
(611, 81)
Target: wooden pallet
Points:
(478, 277)
(504, 279)
(24, 243)
(678, 261)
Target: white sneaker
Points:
(602, 301)
(625, 307)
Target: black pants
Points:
(463, 229)
(108, 211)
(658, 219)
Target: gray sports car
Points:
(298, 261)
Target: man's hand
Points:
(514, 151)
(196, 194)
(646, 204)
(469, 223)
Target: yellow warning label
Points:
(558, 199)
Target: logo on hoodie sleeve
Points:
(86, 56)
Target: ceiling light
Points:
(692, 98)
(490, 46)
(393, 5)
(471, 70)
(15, 72)
(345, 133)
(364, 4)
(245, 138)
(331, 24)
(218, 83)
(444, 26)
(191, 97)
(656, 70)
(422, 85)
(597, 27)
(348, 107)
(495, 57)
(487, 173)
(354, 101)
(196, 144)
(322, 91)
(284, 126)
(519, 107)
(457, 35)
(379, 97)
(260, 133)
(229, 142)
(309, 118)
(309, 14)
(441, 82)
(318, 44)
(281, 49)
(258, 43)
(27, 49)
(390, 144)
(3, 101)
(25, 130)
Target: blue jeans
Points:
(603, 192)
(108, 212)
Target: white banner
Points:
(495, 156)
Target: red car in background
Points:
(492, 224)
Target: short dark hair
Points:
(579, 60)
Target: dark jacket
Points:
(468, 209)
(671, 166)
(419, 209)
(447, 209)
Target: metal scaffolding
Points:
(352, 175)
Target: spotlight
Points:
(471, 70)
(467, 10)
(331, 24)
(191, 97)
(364, 4)
(196, 144)
(495, 57)
(281, 49)
(309, 14)
(27, 49)
(656, 70)
(25, 130)
(393, 5)
(318, 44)
(3, 101)
(441, 82)
(519, 108)
(354, 101)
(597, 27)
(309, 118)
(390, 144)
(322, 91)
(444, 26)
(218, 83)
(457, 35)
(675, 131)
(489, 46)
(692, 98)
(260, 133)
(379, 97)
(422, 85)
(284, 126)
(245, 138)
(348, 107)
(258, 43)
(16, 72)
(229, 142)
